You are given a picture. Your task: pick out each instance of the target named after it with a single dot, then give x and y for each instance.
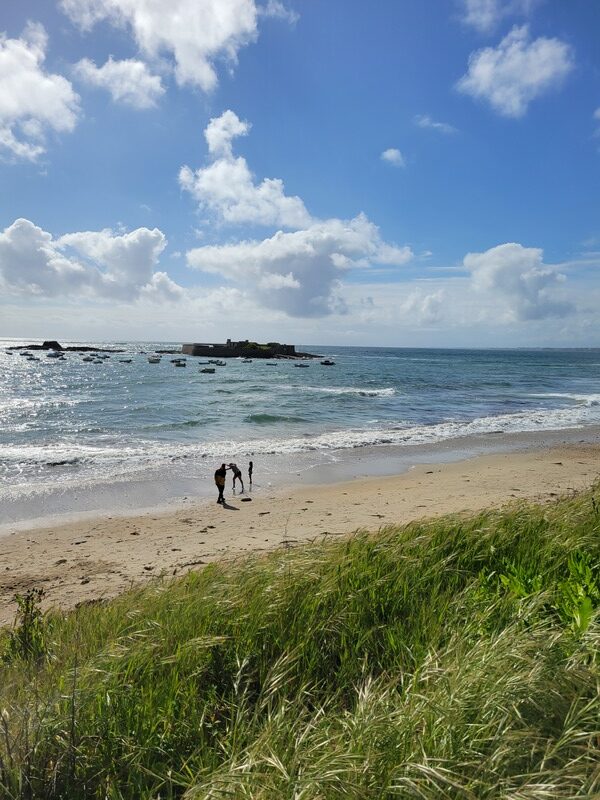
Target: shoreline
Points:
(101, 555)
(45, 505)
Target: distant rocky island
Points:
(245, 349)
(51, 344)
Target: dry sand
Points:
(82, 560)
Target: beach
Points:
(92, 558)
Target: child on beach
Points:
(250, 470)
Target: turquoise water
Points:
(71, 423)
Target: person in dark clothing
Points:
(220, 482)
(237, 476)
(250, 470)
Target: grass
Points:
(450, 659)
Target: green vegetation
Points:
(452, 659)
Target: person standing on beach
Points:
(237, 476)
(250, 469)
(220, 482)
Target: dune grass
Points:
(449, 659)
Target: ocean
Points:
(84, 436)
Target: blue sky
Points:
(415, 173)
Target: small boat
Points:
(87, 358)
(327, 363)
(177, 360)
(302, 366)
(203, 363)
(208, 370)
(246, 360)
(218, 363)
(25, 353)
(8, 352)
(154, 359)
(54, 354)
(180, 364)
(123, 360)
(98, 361)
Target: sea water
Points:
(74, 432)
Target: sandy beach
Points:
(90, 559)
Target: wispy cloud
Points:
(394, 157)
(425, 121)
(276, 9)
(484, 15)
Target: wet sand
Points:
(88, 559)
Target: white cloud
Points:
(299, 272)
(226, 186)
(32, 101)
(486, 14)
(129, 81)
(393, 156)
(516, 278)
(87, 264)
(193, 33)
(513, 74)
(296, 272)
(221, 131)
(424, 308)
(160, 288)
(276, 9)
(425, 121)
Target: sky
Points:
(405, 173)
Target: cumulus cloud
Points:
(299, 272)
(192, 34)
(486, 14)
(394, 157)
(129, 81)
(32, 101)
(516, 278)
(227, 187)
(90, 263)
(425, 121)
(513, 74)
(424, 308)
(221, 131)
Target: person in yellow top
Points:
(220, 482)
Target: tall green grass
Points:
(451, 659)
